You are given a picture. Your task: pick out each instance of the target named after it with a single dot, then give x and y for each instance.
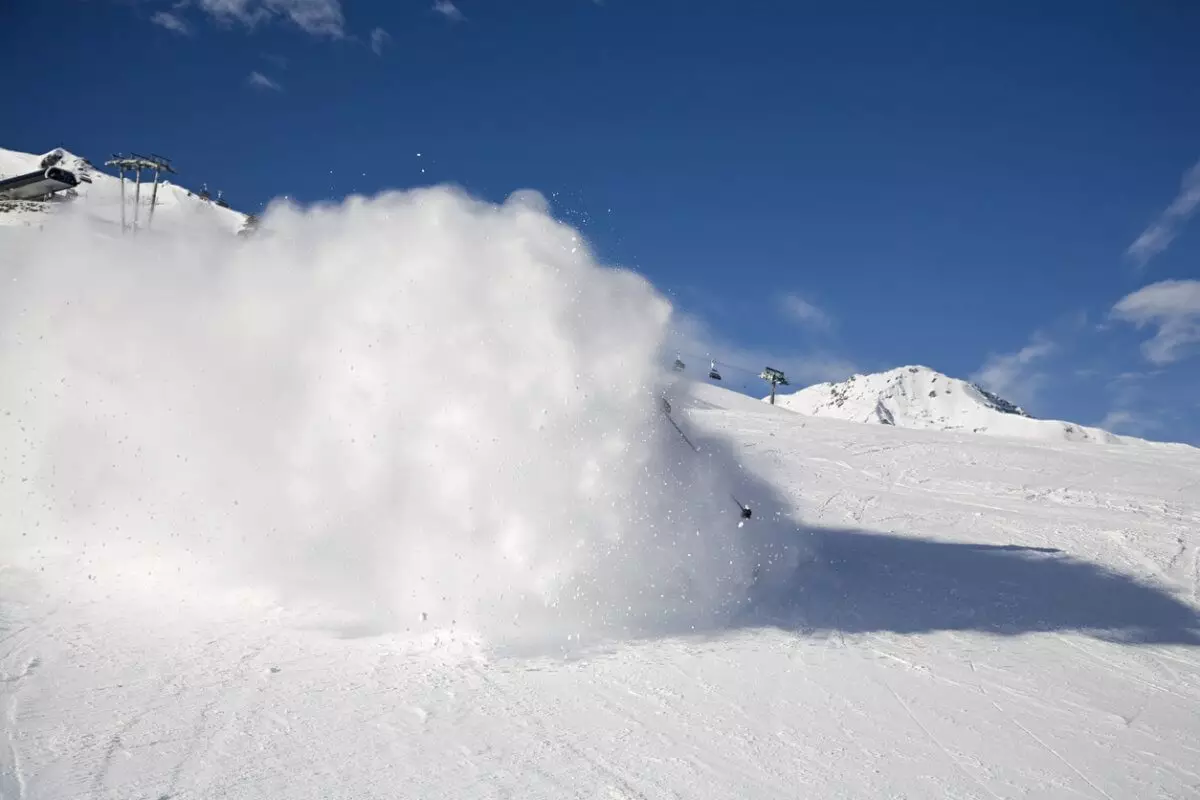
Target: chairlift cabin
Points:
(679, 366)
(712, 372)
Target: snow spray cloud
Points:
(412, 407)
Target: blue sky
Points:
(830, 186)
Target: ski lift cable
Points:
(675, 425)
(744, 510)
(723, 364)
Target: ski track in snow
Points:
(930, 651)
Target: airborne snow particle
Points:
(497, 453)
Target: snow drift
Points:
(418, 409)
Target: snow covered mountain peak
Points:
(917, 396)
(67, 160)
(918, 393)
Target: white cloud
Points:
(172, 22)
(1123, 420)
(379, 40)
(260, 81)
(1174, 306)
(1014, 376)
(448, 10)
(803, 311)
(318, 17)
(1163, 230)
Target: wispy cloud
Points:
(259, 81)
(1123, 420)
(1016, 376)
(318, 17)
(1163, 230)
(172, 22)
(1172, 306)
(379, 40)
(448, 10)
(798, 309)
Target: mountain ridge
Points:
(919, 397)
(176, 207)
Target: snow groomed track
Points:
(983, 618)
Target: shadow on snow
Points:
(865, 582)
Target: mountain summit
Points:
(920, 397)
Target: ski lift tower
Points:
(136, 163)
(775, 377)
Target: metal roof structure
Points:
(135, 163)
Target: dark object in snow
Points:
(33, 185)
(1000, 404)
(744, 510)
(675, 425)
(250, 226)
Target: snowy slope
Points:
(177, 209)
(985, 618)
(919, 397)
(975, 617)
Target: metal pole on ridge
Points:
(122, 201)
(137, 197)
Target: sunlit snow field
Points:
(381, 502)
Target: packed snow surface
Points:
(919, 397)
(380, 502)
